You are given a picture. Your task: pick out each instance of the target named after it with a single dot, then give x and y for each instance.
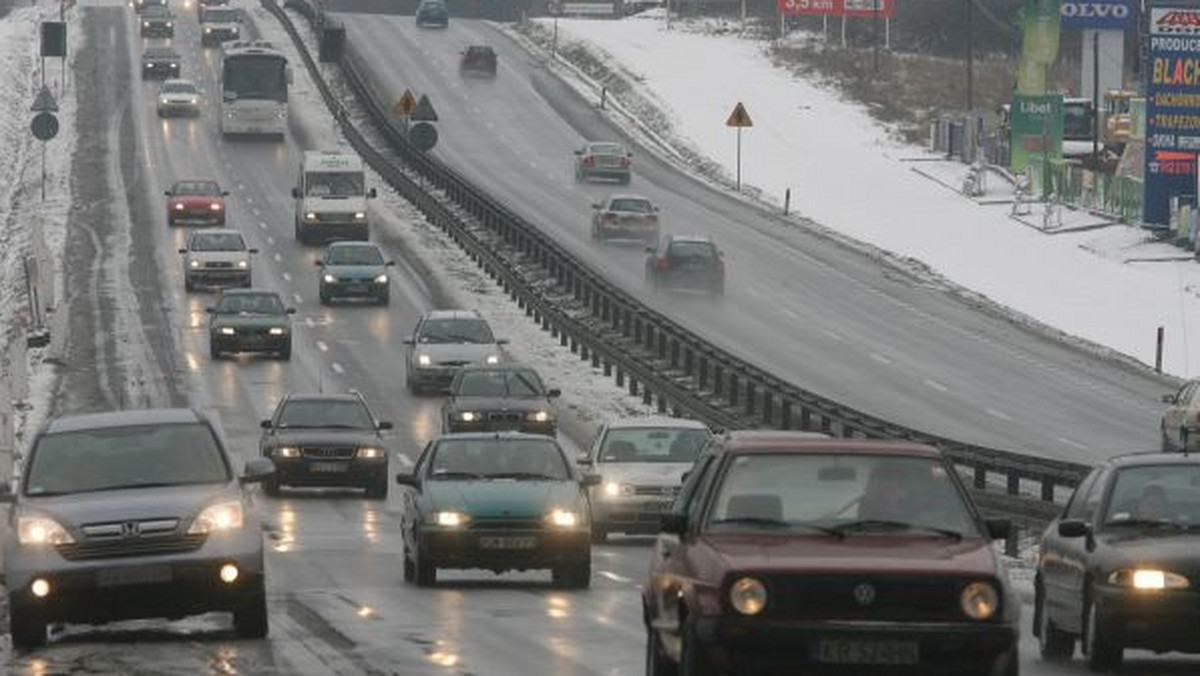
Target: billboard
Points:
(885, 8)
(1120, 15)
(1172, 110)
(1037, 135)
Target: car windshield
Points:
(499, 383)
(156, 13)
(220, 16)
(652, 444)
(250, 303)
(178, 88)
(514, 459)
(160, 53)
(218, 241)
(689, 249)
(606, 149)
(135, 456)
(325, 413)
(1167, 494)
(208, 188)
(353, 255)
(465, 330)
(858, 494)
(333, 184)
(633, 205)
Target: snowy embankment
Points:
(1111, 287)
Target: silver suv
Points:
(132, 514)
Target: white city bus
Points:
(254, 89)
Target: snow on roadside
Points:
(849, 175)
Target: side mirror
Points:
(225, 193)
(289, 75)
(684, 477)
(1168, 399)
(389, 264)
(385, 425)
(295, 193)
(167, 193)
(553, 392)
(673, 523)
(6, 494)
(590, 480)
(257, 470)
(650, 249)
(372, 193)
(1072, 528)
(597, 205)
(583, 459)
(253, 251)
(183, 251)
(317, 262)
(410, 480)
(502, 341)
(578, 152)
(999, 529)
(211, 310)
(291, 311)
(266, 424)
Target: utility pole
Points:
(970, 57)
(1096, 97)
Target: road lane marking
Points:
(936, 385)
(1074, 444)
(256, 212)
(298, 297)
(337, 368)
(287, 276)
(322, 346)
(310, 321)
(262, 224)
(270, 239)
(614, 577)
(278, 258)
(997, 414)
(754, 292)
(880, 358)
(791, 313)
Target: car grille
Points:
(454, 363)
(328, 453)
(659, 491)
(503, 416)
(842, 598)
(332, 217)
(218, 264)
(130, 538)
(506, 524)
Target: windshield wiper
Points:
(884, 524)
(455, 475)
(753, 521)
(534, 476)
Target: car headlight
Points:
(381, 279)
(179, 206)
(614, 489)
(194, 264)
(329, 279)
(562, 518)
(980, 600)
(228, 331)
(218, 517)
(145, 24)
(369, 453)
(360, 215)
(449, 519)
(174, 65)
(195, 99)
(1148, 580)
(424, 360)
(277, 331)
(243, 264)
(207, 30)
(491, 359)
(287, 452)
(169, 24)
(539, 416)
(41, 530)
(162, 101)
(216, 206)
(748, 596)
(310, 216)
(468, 416)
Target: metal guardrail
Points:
(669, 366)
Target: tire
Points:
(27, 629)
(1054, 644)
(385, 298)
(213, 351)
(573, 576)
(1103, 653)
(377, 489)
(693, 661)
(271, 486)
(1183, 439)
(324, 299)
(188, 286)
(424, 572)
(250, 619)
(657, 664)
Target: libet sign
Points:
(884, 8)
(1100, 14)
(1172, 110)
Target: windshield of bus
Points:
(255, 77)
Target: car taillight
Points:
(589, 161)
(664, 263)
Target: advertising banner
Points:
(1037, 133)
(884, 8)
(1172, 110)
(1039, 45)
(1119, 15)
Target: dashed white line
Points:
(298, 297)
(255, 211)
(322, 346)
(1074, 444)
(278, 258)
(880, 358)
(310, 322)
(997, 414)
(835, 336)
(270, 239)
(753, 292)
(262, 224)
(791, 313)
(287, 277)
(936, 385)
(613, 576)
(337, 368)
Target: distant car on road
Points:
(625, 217)
(642, 462)
(139, 5)
(433, 13)
(217, 258)
(326, 440)
(499, 501)
(828, 556)
(132, 514)
(157, 22)
(200, 201)
(497, 398)
(160, 63)
(603, 160)
(353, 270)
(478, 60)
(178, 97)
(445, 341)
(250, 320)
(220, 24)
(203, 6)
(1180, 423)
(684, 262)
(1119, 568)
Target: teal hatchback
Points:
(497, 501)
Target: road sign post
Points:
(739, 119)
(404, 107)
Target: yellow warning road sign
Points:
(739, 117)
(405, 105)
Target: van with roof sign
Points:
(331, 198)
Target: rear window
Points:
(606, 149)
(114, 458)
(632, 205)
(693, 250)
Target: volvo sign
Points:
(1100, 14)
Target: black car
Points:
(250, 320)
(160, 63)
(326, 440)
(1120, 568)
(499, 397)
(687, 263)
(157, 22)
(478, 60)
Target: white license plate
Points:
(329, 467)
(507, 542)
(121, 577)
(868, 652)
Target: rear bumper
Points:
(326, 232)
(228, 277)
(367, 288)
(248, 344)
(329, 472)
(462, 549)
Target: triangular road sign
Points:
(424, 111)
(44, 102)
(404, 106)
(739, 117)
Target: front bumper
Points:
(162, 71)
(358, 288)
(326, 231)
(179, 108)
(467, 548)
(781, 647)
(251, 343)
(1163, 621)
(158, 31)
(636, 515)
(216, 37)
(219, 277)
(329, 472)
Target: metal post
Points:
(970, 58)
(1158, 350)
(1096, 97)
(787, 200)
(554, 41)
(875, 38)
(739, 159)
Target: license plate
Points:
(868, 652)
(507, 542)
(329, 467)
(356, 288)
(121, 577)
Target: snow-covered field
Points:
(1113, 286)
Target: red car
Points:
(800, 555)
(193, 201)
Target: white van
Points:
(331, 200)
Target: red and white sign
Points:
(885, 8)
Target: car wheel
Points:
(324, 298)
(657, 664)
(286, 352)
(693, 661)
(27, 629)
(187, 285)
(1055, 644)
(249, 282)
(1103, 653)
(271, 486)
(410, 570)
(425, 573)
(378, 488)
(213, 351)
(250, 619)
(385, 298)
(1183, 439)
